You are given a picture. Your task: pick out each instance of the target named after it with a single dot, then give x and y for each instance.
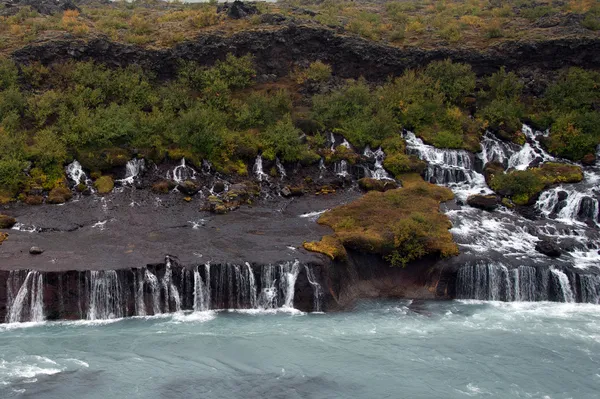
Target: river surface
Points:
(381, 349)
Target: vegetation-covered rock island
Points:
(426, 149)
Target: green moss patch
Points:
(104, 184)
(524, 186)
(401, 225)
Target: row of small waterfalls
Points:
(498, 257)
(157, 289)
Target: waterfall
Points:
(341, 168)
(290, 274)
(590, 288)
(346, 144)
(565, 285)
(28, 302)
(169, 290)
(331, 140)
(181, 173)
(201, 290)
(378, 171)
(280, 169)
(106, 298)
(75, 173)
(494, 150)
(322, 168)
(577, 205)
(317, 290)
(111, 294)
(257, 169)
(494, 281)
(132, 170)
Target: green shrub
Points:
(317, 71)
(9, 74)
(282, 140)
(456, 80)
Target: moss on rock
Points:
(401, 225)
(524, 186)
(59, 195)
(104, 184)
(6, 222)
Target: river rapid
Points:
(381, 349)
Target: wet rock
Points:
(562, 195)
(34, 199)
(241, 192)
(485, 202)
(59, 195)
(290, 191)
(219, 187)
(163, 186)
(548, 248)
(370, 184)
(36, 251)
(216, 205)
(589, 160)
(6, 222)
(238, 9)
(188, 187)
(528, 212)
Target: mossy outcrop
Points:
(59, 195)
(104, 184)
(6, 222)
(524, 186)
(401, 225)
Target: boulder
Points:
(6, 222)
(238, 9)
(188, 187)
(485, 202)
(36, 251)
(290, 191)
(163, 186)
(548, 248)
(370, 184)
(219, 187)
(59, 195)
(562, 195)
(104, 184)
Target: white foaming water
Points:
(105, 295)
(346, 144)
(28, 302)
(378, 171)
(452, 168)
(132, 170)
(565, 285)
(331, 140)
(578, 205)
(341, 168)
(170, 291)
(313, 216)
(25, 228)
(280, 169)
(181, 173)
(75, 172)
(257, 169)
(322, 168)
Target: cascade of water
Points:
(317, 290)
(331, 140)
(322, 168)
(75, 172)
(378, 171)
(106, 298)
(170, 291)
(257, 169)
(494, 150)
(346, 144)
(152, 281)
(206, 167)
(280, 169)
(289, 272)
(267, 299)
(133, 168)
(181, 173)
(564, 284)
(590, 288)
(252, 286)
(341, 168)
(576, 206)
(201, 291)
(138, 283)
(28, 303)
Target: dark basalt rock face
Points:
(485, 202)
(548, 248)
(350, 57)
